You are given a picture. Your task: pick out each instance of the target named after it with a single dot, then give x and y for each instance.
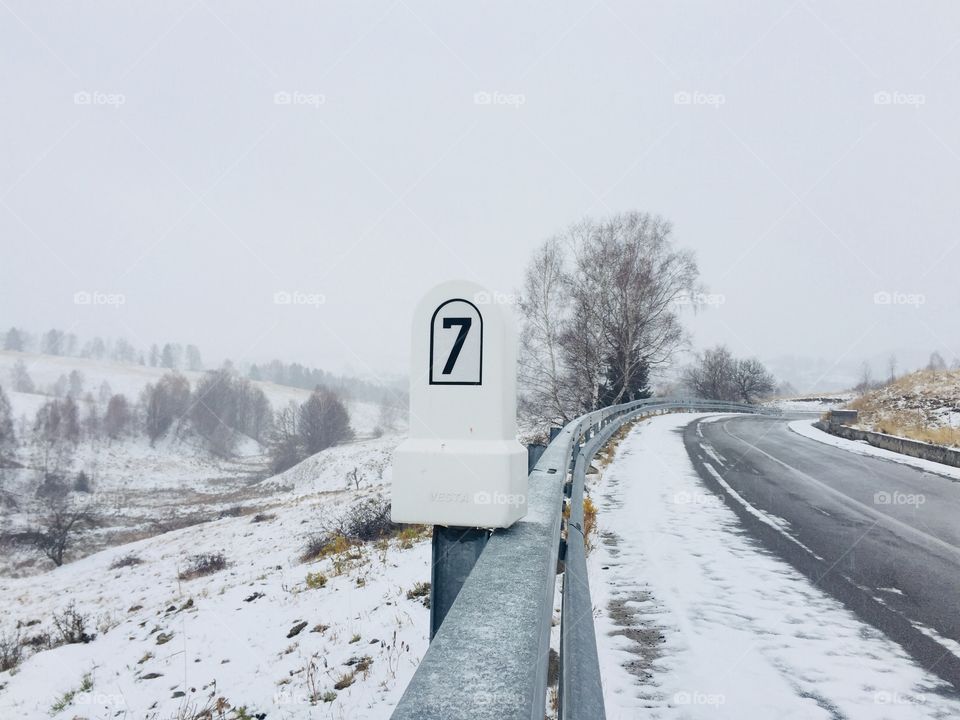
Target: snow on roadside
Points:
(696, 620)
(815, 404)
(806, 429)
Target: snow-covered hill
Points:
(252, 637)
(924, 405)
(141, 488)
(255, 634)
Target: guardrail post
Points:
(455, 552)
(534, 452)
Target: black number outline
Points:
(433, 322)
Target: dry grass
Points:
(914, 407)
(589, 522)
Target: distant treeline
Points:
(174, 356)
(307, 378)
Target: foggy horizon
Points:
(199, 158)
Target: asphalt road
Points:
(880, 536)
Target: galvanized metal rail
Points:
(489, 658)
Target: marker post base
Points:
(455, 552)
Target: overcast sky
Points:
(198, 157)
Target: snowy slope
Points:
(225, 635)
(695, 620)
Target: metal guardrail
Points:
(489, 658)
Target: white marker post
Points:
(462, 468)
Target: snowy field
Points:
(695, 620)
(141, 489)
(164, 644)
(813, 403)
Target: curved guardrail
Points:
(489, 659)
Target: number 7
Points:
(464, 323)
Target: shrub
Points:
(316, 580)
(589, 520)
(419, 590)
(11, 651)
(344, 681)
(262, 517)
(72, 625)
(128, 560)
(203, 564)
(82, 483)
(368, 520)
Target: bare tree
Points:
(866, 378)
(194, 361)
(165, 403)
(601, 310)
(57, 430)
(21, 380)
(53, 342)
(323, 421)
(118, 417)
(713, 375)
(543, 374)
(752, 380)
(60, 525)
(285, 448)
(8, 438)
(936, 362)
(892, 368)
(14, 340)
